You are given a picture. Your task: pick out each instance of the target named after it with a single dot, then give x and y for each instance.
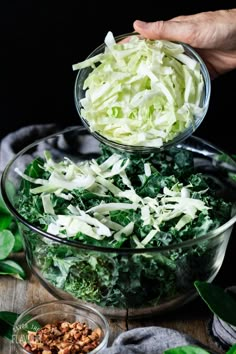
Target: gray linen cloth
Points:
(149, 340)
(145, 340)
(14, 142)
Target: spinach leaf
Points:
(5, 221)
(232, 350)
(3, 208)
(186, 349)
(11, 192)
(10, 239)
(9, 267)
(219, 302)
(7, 241)
(192, 349)
(7, 320)
(18, 245)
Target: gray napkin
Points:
(145, 340)
(150, 340)
(14, 142)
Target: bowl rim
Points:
(179, 137)
(80, 245)
(72, 303)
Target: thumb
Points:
(169, 30)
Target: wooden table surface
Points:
(193, 318)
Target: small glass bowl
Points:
(59, 310)
(79, 93)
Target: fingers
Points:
(169, 30)
(183, 18)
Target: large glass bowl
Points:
(184, 132)
(112, 271)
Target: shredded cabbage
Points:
(141, 92)
(175, 203)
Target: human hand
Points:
(212, 34)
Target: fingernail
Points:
(140, 24)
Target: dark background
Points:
(40, 40)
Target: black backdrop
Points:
(40, 40)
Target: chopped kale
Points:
(109, 277)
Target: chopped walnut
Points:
(63, 338)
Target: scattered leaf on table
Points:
(219, 301)
(186, 349)
(8, 317)
(11, 190)
(5, 221)
(7, 241)
(30, 325)
(9, 267)
(232, 350)
(3, 208)
(18, 245)
(7, 320)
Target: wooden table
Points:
(17, 295)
